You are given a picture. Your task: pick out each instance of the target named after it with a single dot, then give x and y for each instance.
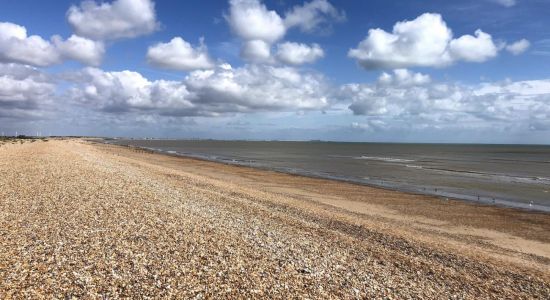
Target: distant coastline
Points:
(308, 141)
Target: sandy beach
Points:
(89, 220)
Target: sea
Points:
(505, 175)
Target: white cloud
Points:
(80, 49)
(179, 55)
(506, 3)
(23, 90)
(16, 46)
(403, 77)
(127, 90)
(523, 104)
(369, 125)
(260, 88)
(473, 49)
(425, 41)
(518, 47)
(360, 126)
(297, 53)
(256, 51)
(12, 31)
(116, 20)
(251, 20)
(260, 28)
(203, 93)
(312, 15)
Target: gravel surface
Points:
(77, 221)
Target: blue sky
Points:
(414, 71)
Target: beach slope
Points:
(85, 219)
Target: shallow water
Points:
(513, 175)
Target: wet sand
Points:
(93, 220)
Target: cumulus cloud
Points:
(403, 77)
(260, 88)
(116, 20)
(203, 92)
(518, 47)
(179, 55)
(445, 105)
(256, 51)
(257, 26)
(80, 49)
(16, 46)
(127, 91)
(23, 90)
(297, 53)
(251, 20)
(425, 41)
(313, 15)
(260, 28)
(473, 49)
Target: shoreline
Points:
(423, 211)
(385, 185)
(89, 219)
(425, 199)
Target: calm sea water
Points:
(512, 175)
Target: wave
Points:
(500, 177)
(386, 159)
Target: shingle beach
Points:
(94, 221)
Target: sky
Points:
(378, 71)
